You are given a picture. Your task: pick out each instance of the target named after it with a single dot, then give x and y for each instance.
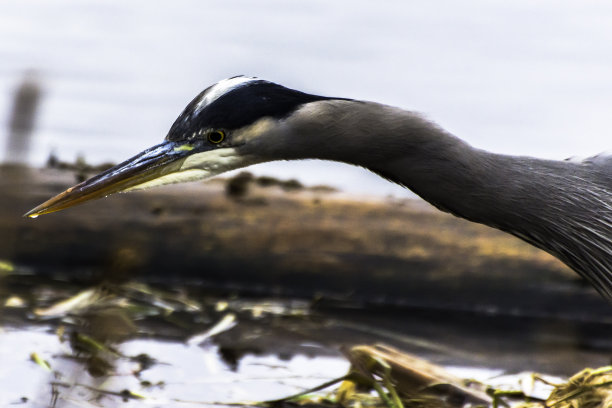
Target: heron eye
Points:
(216, 136)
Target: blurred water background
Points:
(515, 77)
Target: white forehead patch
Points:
(222, 87)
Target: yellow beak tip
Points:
(33, 213)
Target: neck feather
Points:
(562, 207)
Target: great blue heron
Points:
(562, 207)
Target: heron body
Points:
(562, 207)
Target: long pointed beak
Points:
(153, 163)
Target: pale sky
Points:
(516, 77)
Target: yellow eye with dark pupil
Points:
(216, 136)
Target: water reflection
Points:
(179, 373)
(130, 343)
(113, 343)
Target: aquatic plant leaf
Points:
(226, 323)
(35, 357)
(80, 301)
(6, 266)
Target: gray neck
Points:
(562, 207)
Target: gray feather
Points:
(562, 207)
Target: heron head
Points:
(229, 125)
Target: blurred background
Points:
(517, 78)
(200, 292)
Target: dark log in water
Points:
(302, 243)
